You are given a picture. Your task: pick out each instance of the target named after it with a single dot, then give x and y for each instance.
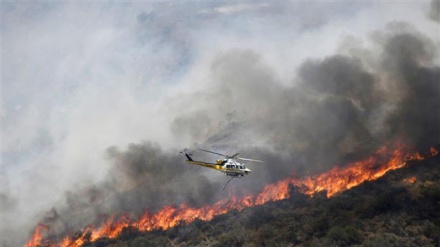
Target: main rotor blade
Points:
(234, 156)
(213, 152)
(250, 160)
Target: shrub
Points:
(140, 242)
(344, 236)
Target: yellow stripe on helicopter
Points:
(229, 166)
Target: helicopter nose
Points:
(248, 171)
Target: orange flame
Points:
(37, 237)
(334, 181)
(339, 179)
(410, 180)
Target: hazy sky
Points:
(81, 76)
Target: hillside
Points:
(400, 209)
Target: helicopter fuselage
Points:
(233, 168)
(229, 167)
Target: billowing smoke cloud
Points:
(160, 79)
(335, 111)
(434, 12)
(409, 60)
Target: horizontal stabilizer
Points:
(188, 155)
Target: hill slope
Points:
(400, 209)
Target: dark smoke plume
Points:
(143, 177)
(409, 59)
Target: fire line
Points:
(333, 181)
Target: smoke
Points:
(334, 112)
(143, 177)
(99, 99)
(409, 59)
(434, 12)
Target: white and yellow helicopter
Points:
(229, 166)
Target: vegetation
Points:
(391, 211)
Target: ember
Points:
(410, 180)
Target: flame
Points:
(336, 180)
(410, 180)
(339, 179)
(37, 237)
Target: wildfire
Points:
(334, 181)
(339, 179)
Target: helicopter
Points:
(229, 165)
